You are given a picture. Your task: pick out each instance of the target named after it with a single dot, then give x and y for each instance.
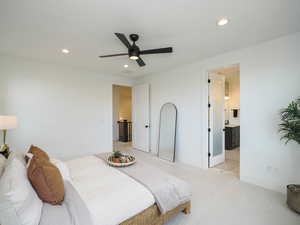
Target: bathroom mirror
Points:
(167, 132)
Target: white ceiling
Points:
(40, 29)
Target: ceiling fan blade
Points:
(124, 39)
(141, 62)
(104, 56)
(157, 51)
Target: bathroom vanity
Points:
(232, 136)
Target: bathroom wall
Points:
(125, 104)
(233, 78)
(122, 107)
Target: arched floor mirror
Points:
(167, 132)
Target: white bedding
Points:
(111, 196)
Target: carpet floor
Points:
(221, 198)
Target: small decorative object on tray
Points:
(118, 159)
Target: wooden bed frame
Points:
(152, 216)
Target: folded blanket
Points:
(73, 210)
(168, 191)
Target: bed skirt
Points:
(152, 216)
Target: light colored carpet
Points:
(220, 198)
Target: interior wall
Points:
(269, 80)
(67, 112)
(122, 107)
(125, 103)
(234, 89)
(233, 79)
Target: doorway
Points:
(131, 117)
(224, 119)
(122, 117)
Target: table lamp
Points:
(6, 123)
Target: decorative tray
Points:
(120, 160)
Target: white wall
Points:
(270, 79)
(182, 87)
(68, 112)
(234, 93)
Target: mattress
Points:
(111, 196)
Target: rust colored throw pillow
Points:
(46, 180)
(39, 153)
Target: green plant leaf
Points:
(289, 128)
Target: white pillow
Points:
(19, 203)
(2, 164)
(63, 168)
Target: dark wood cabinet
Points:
(232, 137)
(125, 131)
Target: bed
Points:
(94, 194)
(105, 190)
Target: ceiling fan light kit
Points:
(133, 57)
(134, 51)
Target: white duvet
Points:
(111, 196)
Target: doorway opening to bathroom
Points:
(224, 119)
(122, 118)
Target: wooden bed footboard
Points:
(152, 216)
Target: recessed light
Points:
(65, 51)
(222, 22)
(125, 66)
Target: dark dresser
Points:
(125, 131)
(232, 137)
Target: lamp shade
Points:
(8, 122)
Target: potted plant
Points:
(290, 131)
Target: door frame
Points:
(204, 106)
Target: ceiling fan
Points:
(134, 51)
